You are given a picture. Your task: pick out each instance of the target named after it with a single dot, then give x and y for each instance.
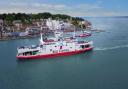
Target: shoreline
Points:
(26, 37)
(16, 38)
(37, 35)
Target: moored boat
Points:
(84, 34)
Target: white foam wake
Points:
(111, 48)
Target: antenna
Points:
(74, 34)
(41, 38)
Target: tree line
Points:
(28, 18)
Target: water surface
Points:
(103, 68)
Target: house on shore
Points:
(1, 28)
(17, 25)
(1, 22)
(54, 25)
(33, 30)
(85, 24)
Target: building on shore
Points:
(1, 28)
(57, 25)
(1, 22)
(85, 24)
(45, 26)
(17, 24)
(33, 30)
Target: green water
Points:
(106, 67)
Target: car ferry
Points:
(54, 47)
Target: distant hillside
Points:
(46, 15)
(28, 18)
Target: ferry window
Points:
(86, 46)
(55, 46)
(41, 46)
(20, 54)
(30, 53)
(50, 49)
(34, 52)
(82, 46)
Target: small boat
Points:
(59, 47)
(84, 34)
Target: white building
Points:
(57, 25)
(17, 24)
(1, 22)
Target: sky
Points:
(76, 8)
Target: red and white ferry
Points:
(54, 47)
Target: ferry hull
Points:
(53, 55)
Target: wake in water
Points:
(111, 48)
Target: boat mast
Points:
(41, 39)
(74, 34)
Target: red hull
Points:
(54, 55)
(84, 35)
